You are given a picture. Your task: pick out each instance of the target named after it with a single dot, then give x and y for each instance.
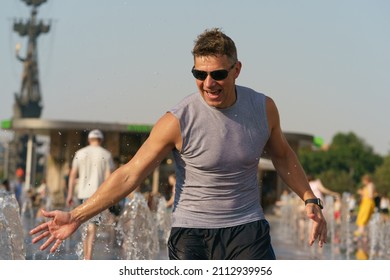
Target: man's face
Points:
(217, 93)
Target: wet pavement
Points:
(107, 248)
(287, 247)
(289, 236)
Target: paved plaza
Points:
(107, 248)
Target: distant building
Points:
(123, 141)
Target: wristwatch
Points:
(316, 201)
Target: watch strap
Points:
(316, 201)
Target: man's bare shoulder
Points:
(167, 131)
(167, 121)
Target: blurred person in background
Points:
(366, 206)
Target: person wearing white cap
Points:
(91, 165)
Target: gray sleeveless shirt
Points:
(216, 170)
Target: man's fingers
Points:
(321, 240)
(55, 246)
(319, 233)
(323, 237)
(39, 228)
(319, 228)
(39, 237)
(47, 243)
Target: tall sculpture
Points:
(28, 101)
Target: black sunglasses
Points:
(217, 75)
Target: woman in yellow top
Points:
(367, 204)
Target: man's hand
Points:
(58, 228)
(319, 230)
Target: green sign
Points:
(139, 128)
(6, 124)
(318, 141)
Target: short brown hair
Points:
(213, 42)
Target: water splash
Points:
(105, 225)
(164, 221)
(347, 246)
(137, 230)
(11, 229)
(374, 232)
(341, 243)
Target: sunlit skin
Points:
(219, 94)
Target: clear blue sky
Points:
(325, 63)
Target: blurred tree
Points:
(341, 167)
(382, 177)
(353, 155)
(338, 181)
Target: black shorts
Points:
(250, 241)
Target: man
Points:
(91, 165)
(217, 137)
